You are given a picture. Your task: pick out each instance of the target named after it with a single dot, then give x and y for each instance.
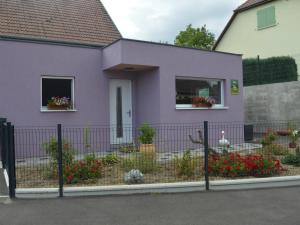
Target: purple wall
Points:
(147, 97)
(22, 65)
(172, 62)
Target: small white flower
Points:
(295, 133)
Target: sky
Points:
(162, 20)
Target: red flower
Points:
(250, 165)
(228, 168)
(70, 179)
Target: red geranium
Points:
(236, 165)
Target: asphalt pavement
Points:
(248, 207)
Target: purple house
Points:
(73, 49)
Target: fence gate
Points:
(7, 147)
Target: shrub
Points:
(145, 162)
(270, 70)
(185, 165)
(134, 177)
(86, 138)
(147, 134)
(275, 149)
(90, 168)
(236, 165)
(292, 160)
(110, 159)
(52, 151)
(269, 138)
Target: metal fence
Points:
(64, 156)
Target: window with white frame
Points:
(189, 88)
(57, 93)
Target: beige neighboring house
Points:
(263, 27)
(266, 28)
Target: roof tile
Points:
(84, 21)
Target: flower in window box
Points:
(203, 101)
(59, 103)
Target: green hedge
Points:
(269, 70)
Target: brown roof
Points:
(245, 6)
(74, 21)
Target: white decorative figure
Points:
(224, 143)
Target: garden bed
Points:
(28, 177)
(35, 176)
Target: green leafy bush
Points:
(292, 160)
(52, 151)
(269, 70)
(90, 168)
(185, 166)
(147, 134)
(269, 138)
(275, 149)
(110, 159)
(145, 162)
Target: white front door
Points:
(120, 100)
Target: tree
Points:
(195, 38)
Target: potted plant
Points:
(203, 101)
(59, 103)
(146, 137)
(294, 135)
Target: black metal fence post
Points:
(60, 161)
(206, 152)
(11, 160)
(2, 142)
(5, 146)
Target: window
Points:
(266, 18)
(187, 89)
(59, 87)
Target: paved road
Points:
(255, 207)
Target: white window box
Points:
(190, 107)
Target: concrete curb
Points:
(220, 185)
(112, 190)
(255, 183)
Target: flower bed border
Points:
(218, 185)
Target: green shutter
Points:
(266, 17)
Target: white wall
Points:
(281, 40)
